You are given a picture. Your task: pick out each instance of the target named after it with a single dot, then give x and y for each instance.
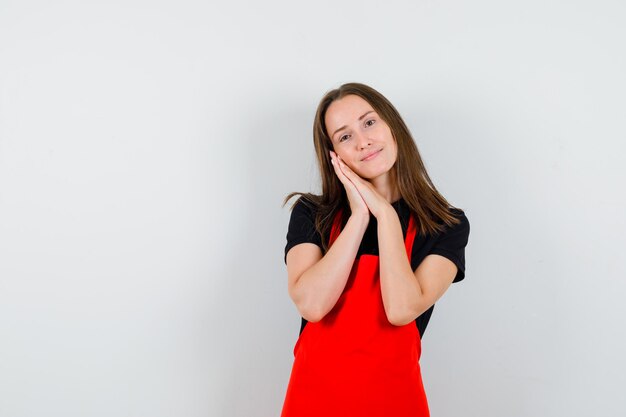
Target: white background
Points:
(146, 147)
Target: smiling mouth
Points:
(372, 156)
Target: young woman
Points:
(366, 262)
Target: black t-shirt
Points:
(450, 242)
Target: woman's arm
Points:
(315, 282)
(407, 294)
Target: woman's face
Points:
(357, 132)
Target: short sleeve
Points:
(451, 243)
(302, 227)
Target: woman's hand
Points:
(372, 199)
(357, 204)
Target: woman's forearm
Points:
(400, 289)
(320, 286)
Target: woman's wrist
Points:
(387, 213)
(360, 218)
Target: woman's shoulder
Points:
(305, 205)
(459, 214)
(456, 212)
(463, 225)
(301, 227)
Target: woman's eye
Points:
(342, 138)
(371, 120)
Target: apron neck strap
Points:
(408, 240)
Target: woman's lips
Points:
(372, 156)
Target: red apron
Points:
(353, 362)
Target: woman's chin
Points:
(370, 175)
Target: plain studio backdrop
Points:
(146, 147)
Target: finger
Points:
(353, 180)
(344, 171)
(362, 185)
(349, 173)
(342, 177)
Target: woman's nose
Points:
(362, 140)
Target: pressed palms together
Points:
(362, 195)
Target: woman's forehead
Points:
(347, 109)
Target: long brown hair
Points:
(430, 208)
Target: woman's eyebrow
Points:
(343, 127)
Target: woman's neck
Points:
(386, 187)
